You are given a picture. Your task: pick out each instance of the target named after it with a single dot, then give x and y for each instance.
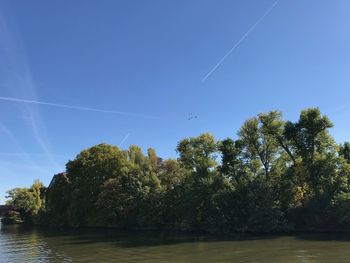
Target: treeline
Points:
(275, 176)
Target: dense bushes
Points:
(276, 176)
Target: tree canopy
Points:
(275, 175)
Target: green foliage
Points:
(344, 151)
(309, 135)
(58, 199)
(232, 163)
(198, 154)
(276, 176)
(258, 142)
(29, 202)
(171, 174)
(341, 210)
(12, 217)
(117, 202)
(87, 173)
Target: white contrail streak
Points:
(24, 154)
(75, 107)
(251, 29)
(15, 68)
(125, 138)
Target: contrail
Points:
(20, 80)
(24, 154)
(76, 107)
(125, 138)
(12, 137)
(251, 29)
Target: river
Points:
(20, 244)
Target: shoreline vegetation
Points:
(276, 176)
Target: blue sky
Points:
(149, 58)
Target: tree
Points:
(232, 160)
(171, 174)
(88, 172)
(153, 158)
(273, 125)
(276, 176)
(198, 154)
(312, 143)
(309, 135)
(28, 201)
(258, 142)
(117, 202)
(344, 151)
(191, 201)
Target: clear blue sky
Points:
(149, 58)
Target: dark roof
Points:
(54, 178)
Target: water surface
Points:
(19, 244)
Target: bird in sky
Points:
(191, 117)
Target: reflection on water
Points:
(18, 244)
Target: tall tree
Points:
(312, 143)
(232, 160)
(344, 151)
(273, 125)
(171, 174)
(88, 172)
(198, 154)
(258, 141)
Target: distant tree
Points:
(198, 154)
(258, 142)
(233, 164)
(193, 200)
(153, 158)
(88, 172)
(28, 201)
(344, 151)
(274, 126)
(276, 176)
(312, 143)
(117, 202)
(171, 174)
(309, 135)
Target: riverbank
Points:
(290, 232)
